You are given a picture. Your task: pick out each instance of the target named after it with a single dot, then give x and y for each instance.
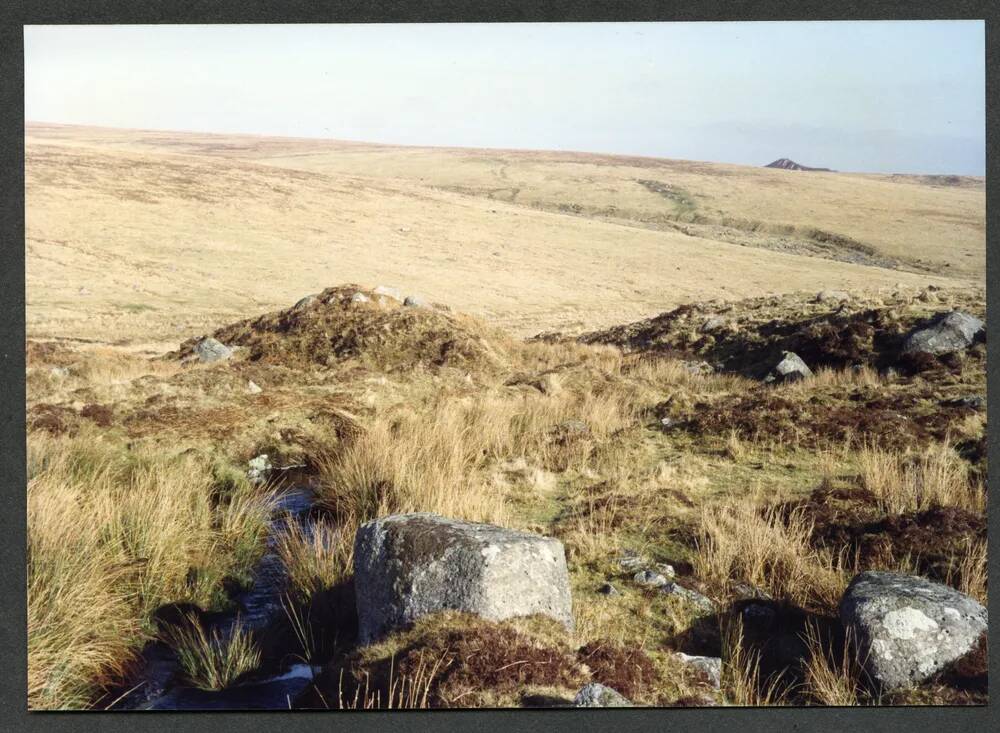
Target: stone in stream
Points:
(210, 349)
(410, 565)
(258, 469)
(596, 695)
(907, 627)
(950, 332)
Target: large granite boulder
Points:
(951, 332)
(907, 627)
(409, 565)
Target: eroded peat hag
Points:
(710, 516)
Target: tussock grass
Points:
(317, 558)
(908, 482)
(112, 535)
(209, 660)
(743, 542)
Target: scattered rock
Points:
(669, 422)
(210, 349)
(305, 302)
(949, 333)
(410, 565)
(697, 368)
(713, 323)
(832, 296)
(650, 579)
(571, 429)
(59, 372)
(608, 590)
(747, 591)
(907, 627)
(711, 667)
(389, 292)
(974, 402)
(258, 469)
(632, 561)
(415, 301)
(596, 695)
(691, 596)
(360, 298)
(790, 369)
(253, 387)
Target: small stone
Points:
(415, 301)
(258, 469)
(596, 695)
(973, 402)
(790, 369)
(59, 372)
(305, 302)
(359, 298)
(631, 561)
(649, 579)
(693, 597)
(608, 590)
(710, 667)
(210, 349)
(713, 323)
(669, 422)
(253, 387)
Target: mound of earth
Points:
(791, 165)
(750, 336)
(377, 331)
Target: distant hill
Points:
(791, 165)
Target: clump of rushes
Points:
(315, 559)
(149, 521)
(209, 660)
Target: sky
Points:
(873, 96)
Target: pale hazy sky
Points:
(864, 96)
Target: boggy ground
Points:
(765, 498)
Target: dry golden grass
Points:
(741, 676)
(157, 238)
(741, 541)
(909, 482)
(831, 678)
(113, 534)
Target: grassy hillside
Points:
(147, 238)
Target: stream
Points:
(159, 685)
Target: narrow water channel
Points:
(160, 685)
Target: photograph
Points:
(390, 366)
